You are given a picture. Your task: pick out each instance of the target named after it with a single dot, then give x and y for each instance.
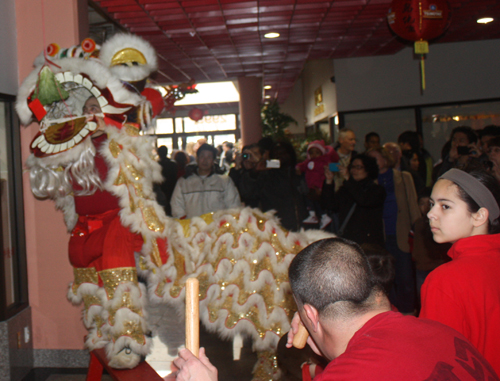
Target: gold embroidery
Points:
(137, 174)
(155, 253)
(203, 287)
(143, 264)
(138, 190)
(266, 368)
(114, 148)
(99, 322)
(126, 302)
(179, 264)
(121, 179)
(151, 218)
(83, 275)
(185, 226)
(91, 300)
(133, 330)
(114, 277)
(132, 130)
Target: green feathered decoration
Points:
(48, 89)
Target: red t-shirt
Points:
(391, 346)
(465, 293)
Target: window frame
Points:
(16, 217)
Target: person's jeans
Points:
(403, 291)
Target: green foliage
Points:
(48, 89)
(275, 122)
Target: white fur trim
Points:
(121, 41)
(200, 249)
(99, 75)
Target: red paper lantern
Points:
(417, 20)
(196, 114)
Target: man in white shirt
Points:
(203, 191)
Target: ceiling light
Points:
(267, 87)
(485, 20)
(272, 35)
(267, 96)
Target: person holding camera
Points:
(243, 174)
(359, 202)
(464, 150)
(275, 184)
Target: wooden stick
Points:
(300, 338)
(192, 316)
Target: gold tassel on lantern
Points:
(422, 48)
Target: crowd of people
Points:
(437, 222)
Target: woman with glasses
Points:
(400, 213)
(359, 201)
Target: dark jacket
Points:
(277, 189)
(169, 173)
(246, 182)
(366, 223)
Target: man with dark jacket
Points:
(169, 173)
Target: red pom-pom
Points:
(53, 49)
(88, 45)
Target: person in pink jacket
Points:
(319, 156)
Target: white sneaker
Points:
(325, 221)
(312, 219)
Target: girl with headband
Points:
(465, 293)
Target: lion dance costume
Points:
(99, 170)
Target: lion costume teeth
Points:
(239, 256)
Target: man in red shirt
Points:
(350, 323)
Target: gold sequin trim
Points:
(138, 190)
(91, 300)
(179, 264)
(131, 130)
(136, 173)
(114, 148)
(133, 330)
(114, 277)
(143, 264)
(99, 322)
(208, 218)
(151, 218)
(121, 179)
(126, 302)
(155, 253)
(185, 226)
(84, 275)
(266, 368)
